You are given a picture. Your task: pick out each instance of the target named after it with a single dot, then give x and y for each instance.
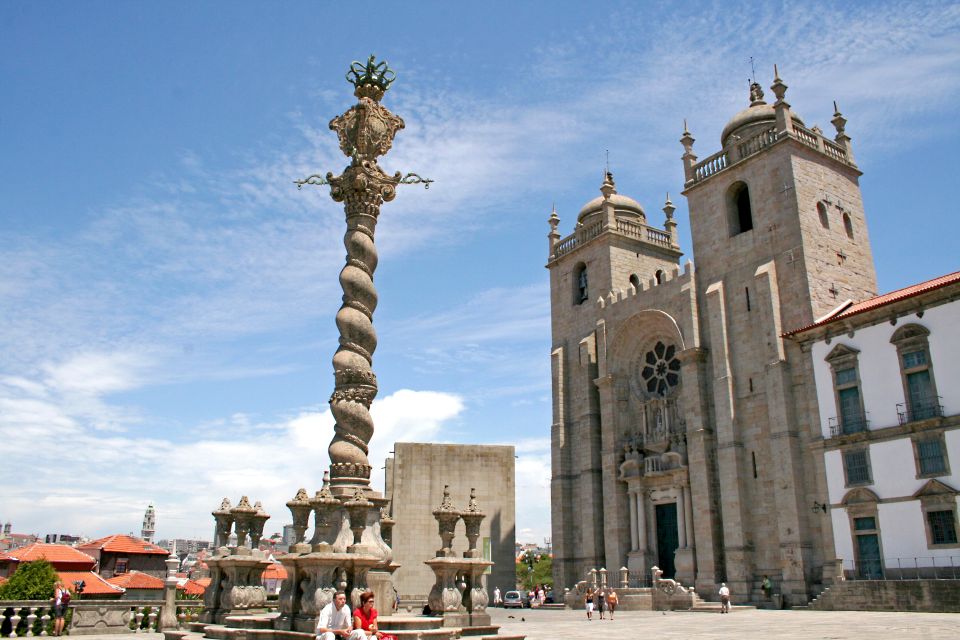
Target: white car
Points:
(513, 599)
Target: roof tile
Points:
(55, 554)
(121, 543)
(885, 299)
(94, 585)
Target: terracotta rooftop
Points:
(192, 588)
(854, 308)
(275, 572)
(55, 554)
(120, 543)
(94, 585)
(203, 582)
(136, 580)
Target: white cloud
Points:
(63, 475)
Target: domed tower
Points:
(780, 239)
(612, 248)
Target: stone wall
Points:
(415, 478)
(891, 595)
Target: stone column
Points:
(641, 522)
(681, 520)
(366, 131)
(688, 510)
(634, 540)
(730, 467)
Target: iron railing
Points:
(844, 425)
(916, 568)
(922, 409)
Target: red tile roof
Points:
(203, 582)
(94, 585)
(879, 301)
(136, 580)
(120, 543)
(59, 555)
(193, 588)
(275, 572)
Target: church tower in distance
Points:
(149, 523)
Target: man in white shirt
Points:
(724, 598)
(334, 620)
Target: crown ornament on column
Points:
(372, 79)
(367, 129)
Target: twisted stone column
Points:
(365, 131)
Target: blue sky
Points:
(168, 295)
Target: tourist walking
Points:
(497, 598)
(334, 620)
(612, 601)
(601, 602)
(724, 598)
(588, 604)
(61, 598)
(365, 620)
(767, 587)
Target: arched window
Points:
(848, 225)
(740, 214)
(916, 371)
(822, 212)
(580, 289)
(635, 281)
(659, 276)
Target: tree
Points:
(31, 581)
(534, 569)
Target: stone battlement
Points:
(673, 279)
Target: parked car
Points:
(513, 599)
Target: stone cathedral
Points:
(684, 424)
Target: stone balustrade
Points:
(19, 618)
(585, 233)
(743, 149)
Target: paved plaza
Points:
(781, 625)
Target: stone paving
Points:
(778, 625)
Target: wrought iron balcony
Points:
(920, 409)
(844, 425)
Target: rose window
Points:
(661, 369)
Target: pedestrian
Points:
(767, 587)
(497, 599)
(334, 620)
(588, 604)
(612, 601)
(61, 598)
(724, 598)
(601, 602)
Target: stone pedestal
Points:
(685, 563)
(235, 585)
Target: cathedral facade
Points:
(683, 420)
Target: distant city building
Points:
(415, 478)
(10, 540)
(149, 524)
(120, 553)
(61, 538)
(184, 547)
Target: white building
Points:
(887, 373)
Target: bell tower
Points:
(612, 249)
(780, 239)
